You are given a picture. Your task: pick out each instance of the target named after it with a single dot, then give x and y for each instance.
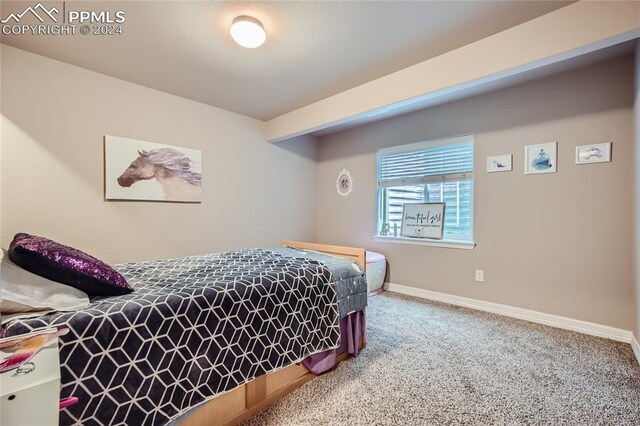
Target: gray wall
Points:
(556, 243)
(54, 118)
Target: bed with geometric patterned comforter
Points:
(193, 328)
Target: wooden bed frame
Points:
(245, 401)
(347, 252)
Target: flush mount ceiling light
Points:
(248, 31)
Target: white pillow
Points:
(26, 294)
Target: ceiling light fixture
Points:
(248, 31)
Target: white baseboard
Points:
(636, 348)
(585, 327)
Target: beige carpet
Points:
(428, 363)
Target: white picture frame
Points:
(344, 183)
(593, 153)
(148, 171)
(423, 220)
(541, 158)
(500, 163)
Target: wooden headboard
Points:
(358, 254)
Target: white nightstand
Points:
(33, 398)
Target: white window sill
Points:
(463, 245)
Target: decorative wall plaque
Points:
(344, 183)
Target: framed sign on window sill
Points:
(423, 220)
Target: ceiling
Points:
(314, 49)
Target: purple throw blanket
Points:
(351, 328)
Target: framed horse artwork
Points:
(149, 171)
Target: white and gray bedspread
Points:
(348, 276)
(194, 327)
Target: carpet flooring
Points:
(429, 363)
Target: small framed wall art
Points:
(344, 183)
(595, 153)
(540, 158)
(499, 163)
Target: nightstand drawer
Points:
(32, 398)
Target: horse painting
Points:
(171, 168)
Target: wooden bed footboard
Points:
(354, 253)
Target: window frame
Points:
(452, 177)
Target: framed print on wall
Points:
(595, 153)
(149, 171)
(540, 158)
(499, 163)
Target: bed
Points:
(208, 339)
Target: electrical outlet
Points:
(480, 275)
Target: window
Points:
(428, 172)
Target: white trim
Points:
(464, 245)
(636, 347)
(579, 326)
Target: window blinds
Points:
(424, 164)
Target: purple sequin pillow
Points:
(67, 265)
